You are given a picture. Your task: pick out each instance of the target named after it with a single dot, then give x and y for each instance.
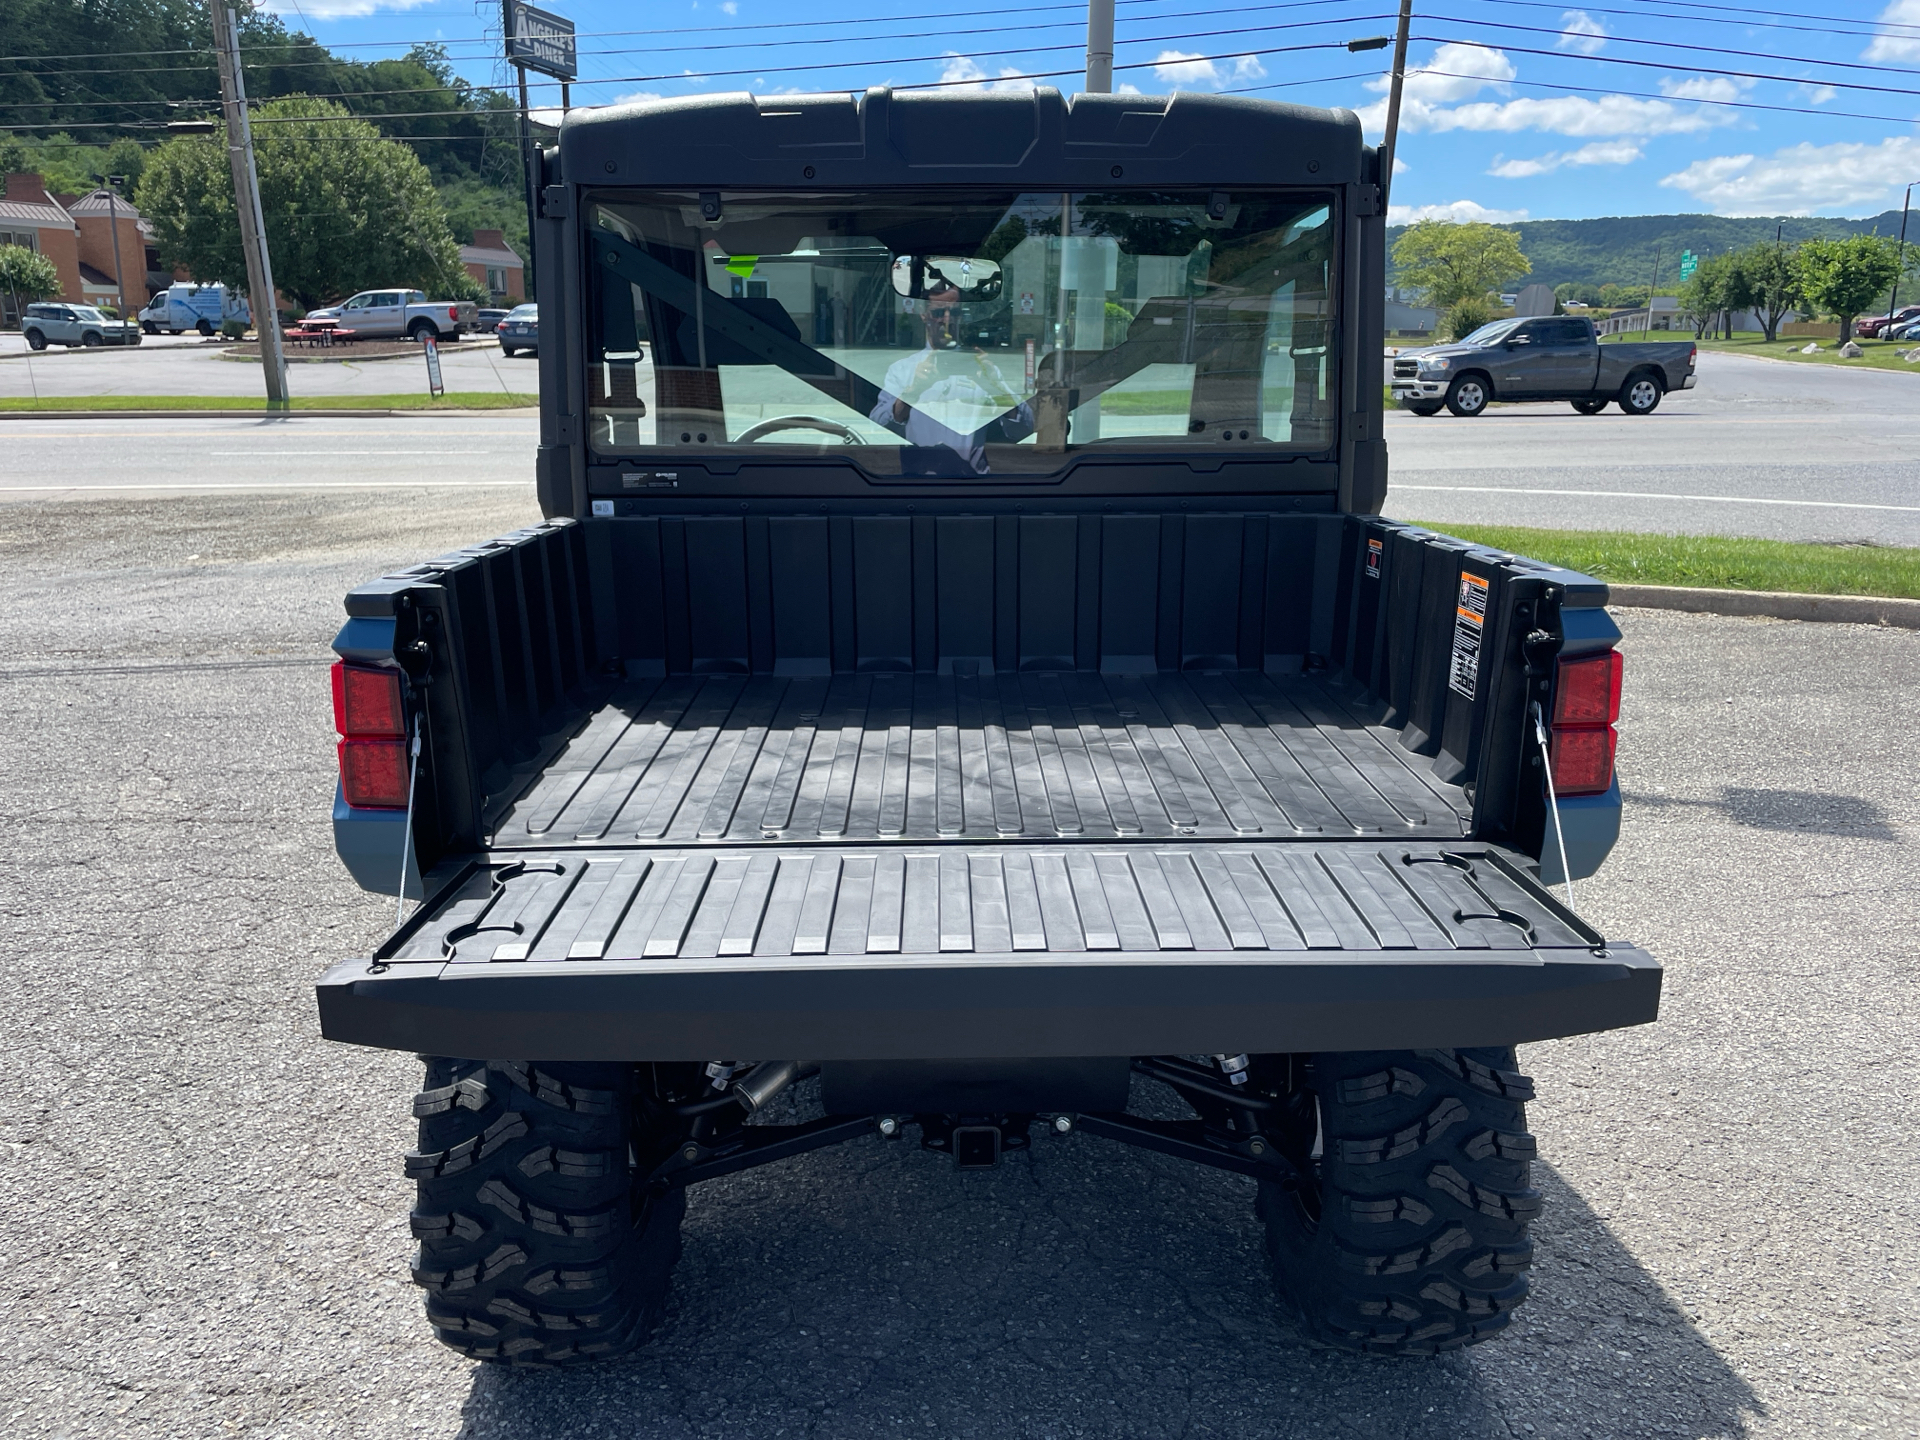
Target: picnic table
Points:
(322, 333)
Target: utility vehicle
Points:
(963, 672)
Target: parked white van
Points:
(187, 306)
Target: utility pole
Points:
(1893, 300)
(111, 184)
(246, 194)
(1391, 138)
(1652, 285)
(1099, 47)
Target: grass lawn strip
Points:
(453, 400)
(1714, 562)
(1880, 354)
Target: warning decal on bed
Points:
(1374, 549)
(1469, 623)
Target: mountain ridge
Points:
(1622, 249)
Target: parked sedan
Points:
(57, 323)
(520, 330)
(487, 319)
(1902, 330)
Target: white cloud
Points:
(964, 73)
(730, 7)
(1431, 101)
(1705, 87)
(1584, 34)
(1600, 152)
(636, 97)
(1455, 72)
(336, 9)
(1185, 69)
(1457, 210)
(1901, 42)
(1400, 167)
(1802, 178)
(1817, 94)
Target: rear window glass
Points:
(920, 335)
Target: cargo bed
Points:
(756, 759)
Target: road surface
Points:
(205, 1228)
(1761, 448)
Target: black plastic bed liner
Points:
(1034, 755)
(968, 951)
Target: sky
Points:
(1514, 109)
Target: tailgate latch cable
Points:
(1553, 800)
(406, 838)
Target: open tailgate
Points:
(978, 951)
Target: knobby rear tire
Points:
(1410, 1237)
(536, 1246)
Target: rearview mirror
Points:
(916, 276)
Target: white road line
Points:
(1655, 495)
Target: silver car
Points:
(58, 323)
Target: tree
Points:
(1773, 283)
(1458, 261)
(1717, 288)
(1844, 278)
(345, 209)
(27, 276)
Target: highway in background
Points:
(1766, 448)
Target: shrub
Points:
(1463, 317)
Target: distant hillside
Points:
(1619, 250)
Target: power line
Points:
(838, 64)
(1655, 65)
(1682, 45)
(1745, 23)
(1682, 99)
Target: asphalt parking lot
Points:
(205, 1232)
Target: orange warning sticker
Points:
(1469, 623)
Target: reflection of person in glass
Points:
(942, 379)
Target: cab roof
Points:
(919, 138)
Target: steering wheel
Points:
(797, 422)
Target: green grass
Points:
(1713, 561)
(1880, 354)
(453, 400)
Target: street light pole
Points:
(246, 194)
(1099, 47)
(526, 141)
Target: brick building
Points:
(495, 264)
(32, 218)
(95, 216)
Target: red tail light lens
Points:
(1587, 690)
(373, 774)
(453, 312)
(1586, 702)
(366, 702)
(1583, 760)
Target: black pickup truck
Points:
(1551, 358)
(963, 673)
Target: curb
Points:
(517, 410)
(1771, 604)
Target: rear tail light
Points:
(366, 702)
(373, 774)
(371, 718)
(1586, 704)
(453, 312)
